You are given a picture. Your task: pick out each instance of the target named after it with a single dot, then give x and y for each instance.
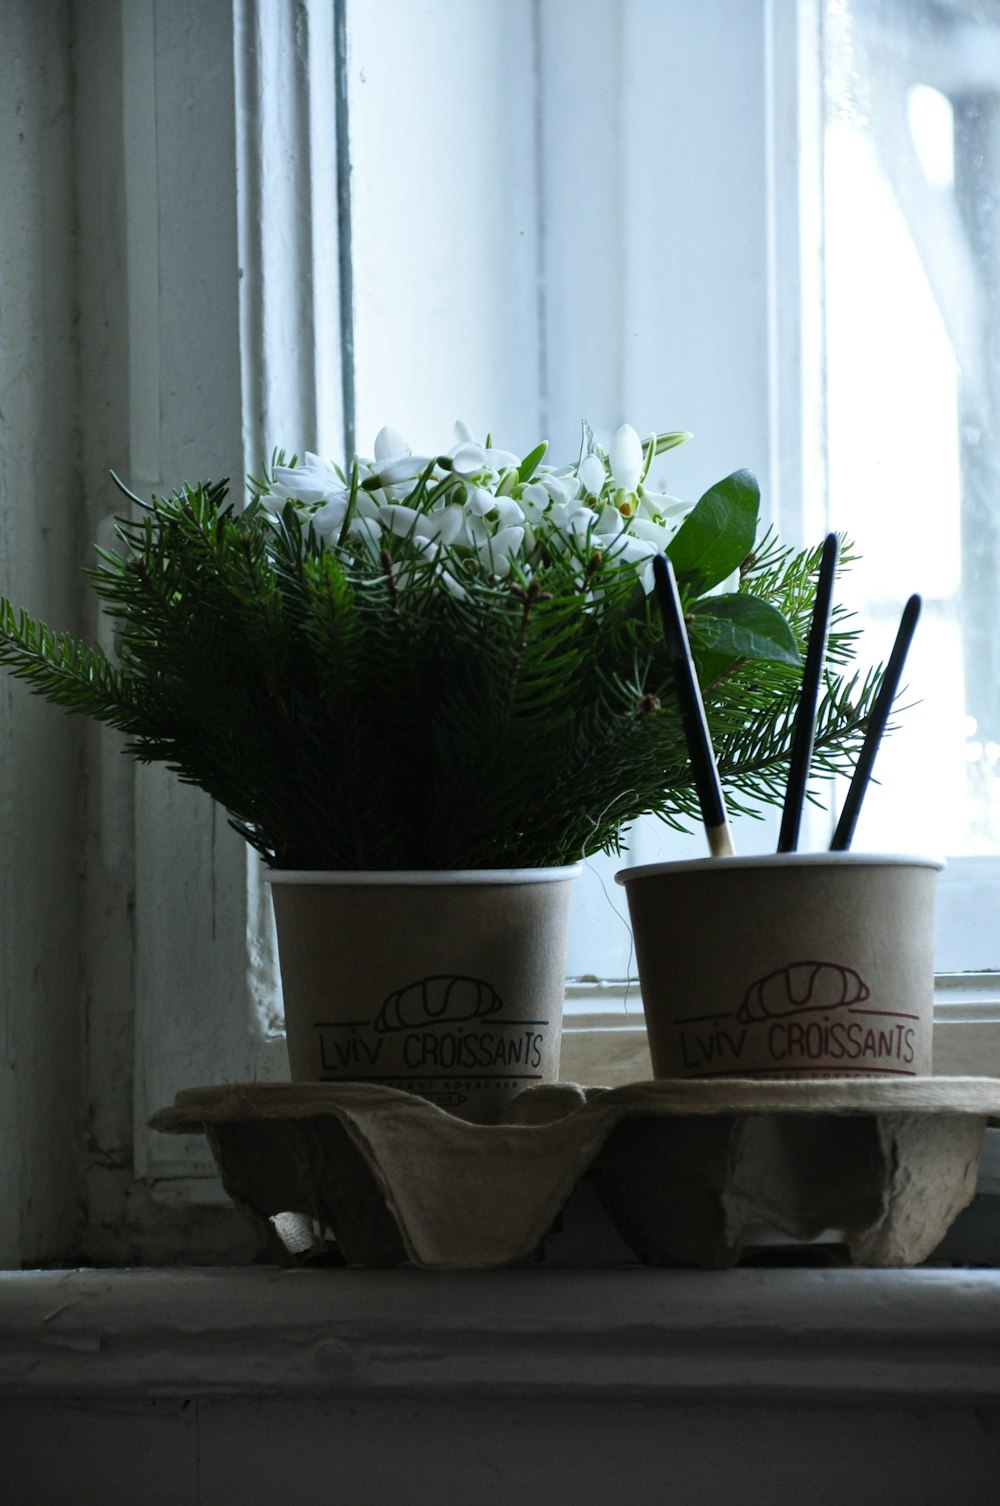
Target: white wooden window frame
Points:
(211, 252)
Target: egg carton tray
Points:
(689, 1173)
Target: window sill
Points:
(925, 1335)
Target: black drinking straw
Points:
(805, 720)
(876, 726)
(699, 742)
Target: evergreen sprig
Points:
(350, 712)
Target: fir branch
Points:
(73, 675)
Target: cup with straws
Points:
(788, 964)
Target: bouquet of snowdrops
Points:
(447, 660)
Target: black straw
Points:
(804, 735)
(699, 742)
(876, 726)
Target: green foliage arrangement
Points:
(449, 661)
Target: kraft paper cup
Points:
(786, 965)
(448, 985)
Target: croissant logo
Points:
(443, 998)
(800, 988)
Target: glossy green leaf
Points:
(742, 627)
(717, 535)
(528, 465)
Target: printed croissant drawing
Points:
(442, 998)
(802, 987)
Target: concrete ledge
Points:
(752, 1335)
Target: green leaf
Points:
(527, 467)
(649, 457)
(742, 627)
(717, 535)
(670, 441)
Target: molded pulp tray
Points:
(685, 1170)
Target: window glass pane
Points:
(912, 147)
(912, 327)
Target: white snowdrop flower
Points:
(581, 520)
(272, 503)
(496, 552)
(447, 524)
(390, 444)
(365, 505)
(626, 458)
(478, 530)
(330, 517)
(592, 474)
(403, 521)
(403, 468)
(365, 529)
(534, 500)
(467, 459)
(559, 488)
(659, 503)
(479, 501)
(509, 512)
(629, 551)
(314, 480)
(610, 522)
(501, 460)
(656, 534)
(452, 586)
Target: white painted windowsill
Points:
(762, 1335)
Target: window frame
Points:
(173, 912)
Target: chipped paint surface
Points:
(40, 776)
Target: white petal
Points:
(609, 522)
(447, 524)
(581, 519)
(478, 529)
(534, 500)
(401, 520)
(480, 501)
(313, 481)
(366, 529)
(328, 518)
(626, 458)
(630, 551)
(495, 554)
(508, 512)
(468, 459)
(508, 541)
(463, 433)
(666, 506)
(390, 444)
(501, 460)
(404, 468)
(452, 586)
(560, 488)
(654, 533)
(592, 475)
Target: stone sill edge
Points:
(759, 1335)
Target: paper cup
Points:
(447, 985)
(787, 965)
